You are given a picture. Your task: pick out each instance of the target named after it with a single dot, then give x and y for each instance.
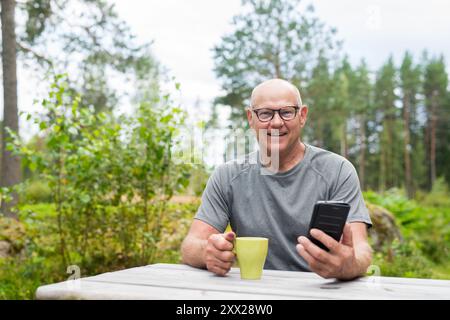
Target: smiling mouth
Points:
(277, 134)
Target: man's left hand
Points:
(340, 262)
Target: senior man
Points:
(274, 196)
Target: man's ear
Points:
(303, 115)
(250, 117)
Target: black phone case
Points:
(330, 217)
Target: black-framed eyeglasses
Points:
(286, 113)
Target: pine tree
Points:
(385, 102)
(342, 81)
(435, 90)
(272, 39)
(10, 164)
(410, 86)
(318, 97)
(361, 92)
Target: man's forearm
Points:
(362, 260)
(193, 252)
(363, 254)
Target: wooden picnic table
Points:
(174, 281)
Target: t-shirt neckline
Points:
(292, 170)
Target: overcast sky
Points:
(184, 33)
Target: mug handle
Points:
(236, 262)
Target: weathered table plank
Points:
(165, 281)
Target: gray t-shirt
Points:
(279, 206)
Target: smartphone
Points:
(330, 217)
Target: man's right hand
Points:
(219, 256)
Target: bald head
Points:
(273, 89)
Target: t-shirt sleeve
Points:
(347, 189)
(215, 205)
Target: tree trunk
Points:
(427, 147)
(10, 165)
(407, 147)
(362, 151)
(389, 152)
(433, 138)
(382, 175)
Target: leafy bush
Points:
(439, 195)
(403, 260)
(426, 230)
(40, 261)
(198, 179)
(20, 278)
(36, 191)
(110, 177)
(12, 232)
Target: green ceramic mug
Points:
(251, 254)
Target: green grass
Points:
(441, 272)
(39, 262)
(37, 211)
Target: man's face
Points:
(275, 97)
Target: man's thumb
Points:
(230, 236)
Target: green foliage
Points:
(20, 278)
(439, 195)
(36, 191)
(176, 225)
(426, 232)
(319, 96)
(97, 45)
(13, 232)
(36, 261)
(403, 260)
(110, 177)
(38, 13)
(39, 261)
(393, 123)
(436, 82)
(198, 179)
(271, 39)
